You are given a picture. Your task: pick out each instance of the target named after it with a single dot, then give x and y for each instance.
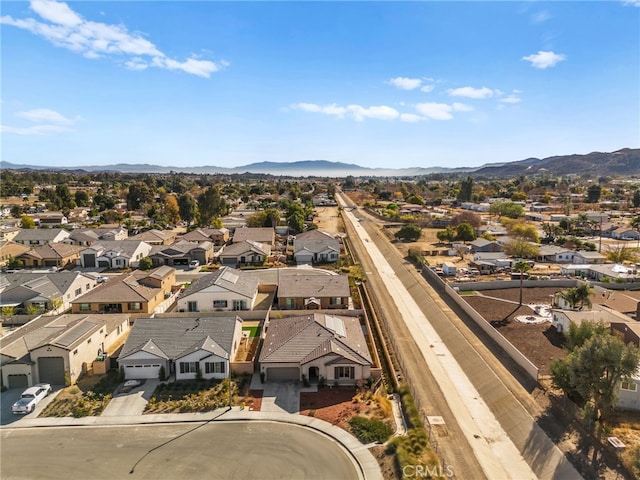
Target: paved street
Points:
(187, 451)
(470, 410)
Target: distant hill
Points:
(620, 162)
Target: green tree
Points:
(465, 233)
(593, 193)
(506, 209)
(447, 235)
(212, 205)
(81, 198)
(593, 369)
(145, 263)
(635, 201)
(139, 194)
(295, 217)
(521, 267)
(621, 253)
(27, 222)
(409, 233)
(521, 249)
(578, 296)
(188, 207)
(466, 189)
(524, 232)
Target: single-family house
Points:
(562, 319)
(156, 237)
(58, 349)
(483, 245)
(50, 218)
(88, 236)
(10, 250)
(182, 253)
(313, 292)
(52, 255)
(43, 292)
(181, 346)
(499, 259)
(555, 254)
(244, 253)
(316, 246)
(316, 346)
(137, 293)
(114, 254)
(625, 233)
(588, 257)
(225, 289)
(218, 236)
(264, 235)
(623, 301)
(8, 233)
(40, 236)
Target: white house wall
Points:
(201, 357)
(205, 300)
(19, 369)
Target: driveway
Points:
(132, 402)
(9, 397)
(281, 397)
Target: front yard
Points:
(89, 397)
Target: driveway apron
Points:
(281, 397)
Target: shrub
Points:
(369, 430)
(162, 374)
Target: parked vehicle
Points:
(30, 398)
(194, 264)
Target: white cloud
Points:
(631, 3)
(45, 115)
(540, 17)
(510, 99)
(410, 117)
(461, 107)
(331, 109)
(380, 112)
(471, 92)
(65, 28)
(404, 83)
(427, 88)
(544, 59)
(436, 111)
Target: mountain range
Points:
(621, 162)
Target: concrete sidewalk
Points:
(366, 463)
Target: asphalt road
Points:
(211, 451)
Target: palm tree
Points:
(579, 295)
(521, 267)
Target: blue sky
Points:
(379, 84)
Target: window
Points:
(632, 387)
(290, 302)
(78, 291)
(214, 367)
(188, 367)
(120, 262)
(135, 306)
(219, 304)
(239, 304)
(87, 287)
(88, 341)
(344, 372)
(336, 300)
(75, 352)
(192, 306)
(85, 307)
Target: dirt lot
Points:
(328, 219)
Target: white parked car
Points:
(30, 398)
(194, 264)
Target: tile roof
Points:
(305, 338)
(230, 279)
(261, 234)
(173, 338)
(237, 249)
(316, 241)
(301, 285)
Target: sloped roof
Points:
(153, 235)
(124, 288)
(42, 234)
(55, 250)
(122, 247)
(174, 337)
(260, 234)
(304, 338)
(179, 248)
(25, 286)
(301, 285)
(237, 249)
(203, 234)
(315, 241)
(228, 278)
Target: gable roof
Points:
(154, 236)
(124, 288)
(237, 249)
(315, 241)
(40, 234)
(301, 285)
(259, 234)
(20, 287)
(173, 338)
(306, 338)
(228, 278)
(54, 250)
(124, 248)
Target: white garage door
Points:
(283, 374)
(139, 372)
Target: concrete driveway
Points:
(132, 402)
(9, 397)
(281, 397)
